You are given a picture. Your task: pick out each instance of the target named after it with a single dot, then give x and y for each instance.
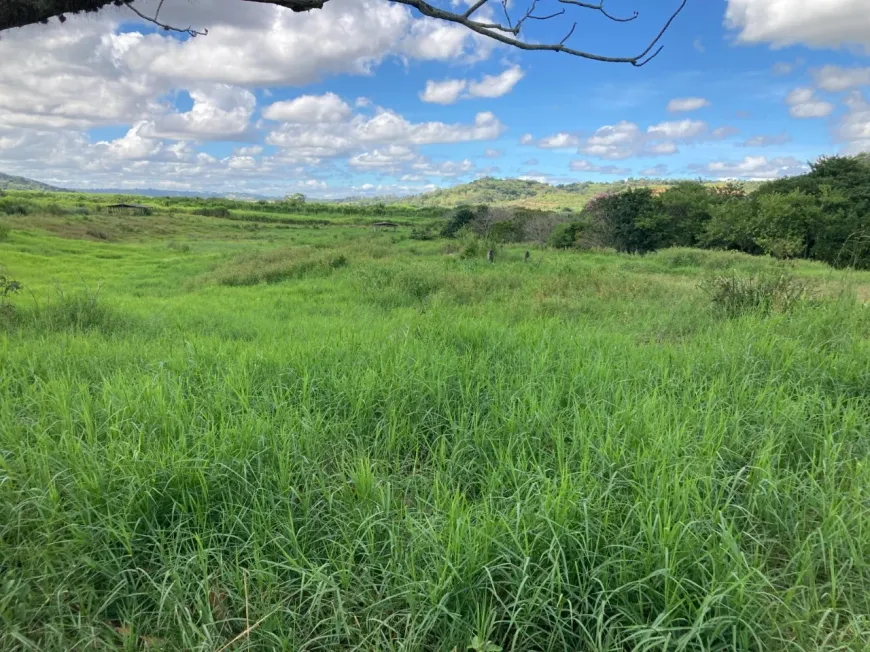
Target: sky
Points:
(367, 98)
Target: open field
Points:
(225, 434)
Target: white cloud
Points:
(390, 157)
(678, 130)
(561, 140)
(309, 109)
(586, 166)
(527, 139)
(753, 167)
(626, 139)
(384, 128)
(491, 86)
(253, 150)
(266, 45)
(133, 145)
(853, 129)
(219, 112)
(803, 103)
(493, 153)
(835, 79)
(818, 23)
(620, 141)
(766, 141)
(682, 104)
(443, 92)
(450, 91)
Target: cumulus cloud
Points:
(683, 104)
(493, 153)
(586, 166)
(561, 140)
(443, 92)
(833, 23)
(766, 141)
(219, 112)
(309, 109)
(450, 91)
(527, 139)
(835, 79)
(496, 85)
(626, 139)
(752, 167)
(853, 129)
(803, 103)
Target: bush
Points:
(564, 236)
(4, 232)
(735, 295)
(10, 207)
(460, 218)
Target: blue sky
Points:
(364, 97)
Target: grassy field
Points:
(229, 435)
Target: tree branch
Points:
(17, 13)
(499, 32)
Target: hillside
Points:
(533, 194)
(9, 182)
(526, 193)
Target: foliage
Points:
(627, 221)
(564, 235)
(4, 232)
(460, 218)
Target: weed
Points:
(736, 295)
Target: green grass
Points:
(206, 427)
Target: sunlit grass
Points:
(412, 451)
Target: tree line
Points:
(822, 215)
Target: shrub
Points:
(460, 218)
(735, 295)
(564, 236)
(422, 233)
(180, 247)
(8, 286)
(4, 232)
(10, 207)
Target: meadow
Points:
(232, 434)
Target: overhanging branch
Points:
(17, 13)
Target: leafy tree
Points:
(630, 221)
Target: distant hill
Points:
(9, 182)
(525, 193)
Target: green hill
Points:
(9, 182)
(526, 193)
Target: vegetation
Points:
(9, 182)
(302, 433)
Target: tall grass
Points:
(417, 452)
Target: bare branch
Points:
(499, 33)
(599, 7)
(169, 28)
(17, 13)
(477, 5)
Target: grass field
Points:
(227, 435)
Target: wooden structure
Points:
(384, 225)
(128, 209)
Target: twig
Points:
(509, 35)
(169, 28)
